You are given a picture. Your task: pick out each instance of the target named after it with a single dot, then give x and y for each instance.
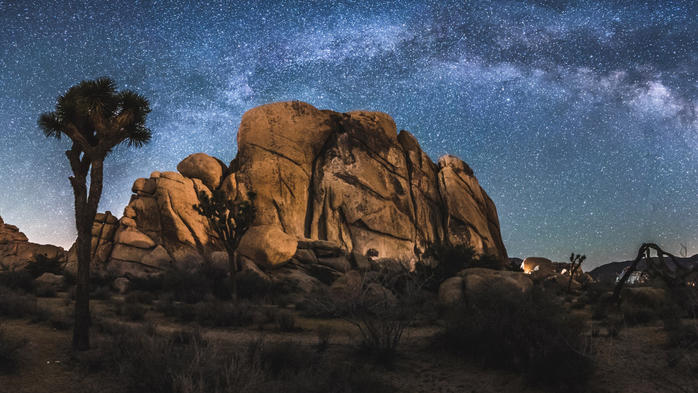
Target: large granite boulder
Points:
(471, 284)
(203, 167)
(277, 146)
(269, 247)
(470, 215)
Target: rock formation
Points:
(16, 250)
(334, 192)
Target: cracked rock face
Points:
(320, 177)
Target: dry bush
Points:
(286, 321)
(41, 264)
(134, 312)
(139, 297)
(101, 293)
(9, 346)
(45, 290)
(15, 304)
(324, 333)
(681, 372)
(211, 312)
(186, 362)
(381, 307)
(531, 333)
(16, 279)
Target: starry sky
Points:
(578, 117)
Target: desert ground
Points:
(636, 359)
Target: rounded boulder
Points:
(268, 246)
(203, 167)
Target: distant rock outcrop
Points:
(334, 192)
(16, 250)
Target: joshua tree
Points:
(96, 118)
(672, 273)
(576, 263)
(230, 220)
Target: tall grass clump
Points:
(15, 304)
(187, 362)
(531, 333)
(9, 361)
(381, 307)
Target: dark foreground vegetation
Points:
(170, 334)
(185, 361)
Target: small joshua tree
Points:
(230, 220)
(576, 263)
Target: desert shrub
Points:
(60, 321)
(69, 278)
(150, 283)
(212, 312)
(72, 293)
(381, 308)
(686, 299)
(139, 297)
(318, 304)
(269, 314)
(41, 264)
(101, 293)
(118, 307)
(680, 334)
(324, 333)
(595, 289)
(217, 281)
(531, 333)
(192, 286)
(614, 323)
(252, 286)
(286, 321)
(637, 315)
(9, 346)
(103, 278)
(189, 287)
(17, 279)
(15, 304)
(134, 312)
(187, 362)
(40, 315)
(449, 260)
(45, 290)
(216, 313)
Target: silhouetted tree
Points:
(576, 263)
(96, 118)
(230, 220)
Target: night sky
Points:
(578, 117)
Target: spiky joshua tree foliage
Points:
(576, 263)
(230, 219)
(96, 118)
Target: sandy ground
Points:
(635, 361)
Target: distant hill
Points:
(611, 270)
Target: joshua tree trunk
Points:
(232, 257)
(85, 212)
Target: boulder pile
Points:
(335, 192)
(16, 250)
